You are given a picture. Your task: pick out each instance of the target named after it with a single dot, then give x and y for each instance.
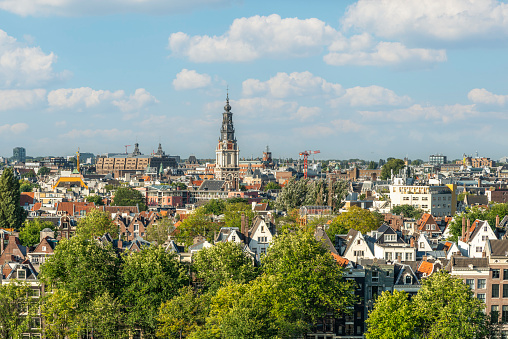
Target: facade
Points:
(437, 200)
(227, 166)
(19, 154)
(438, 159)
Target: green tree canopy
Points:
(29, 235)
(96, 199)
(43, 171)
(95, 224)
(127, 196)
(480, 213)
(409, 211)
(355, 218)
(214, 206)
(26, 186)
(17, 307)
(444, 307)
(392, 164)
(150, 277)
(223, 263)
(12, 214)
(159, 231)
(372, 165)
(272, 186)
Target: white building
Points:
(436, 200)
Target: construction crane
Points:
(126, 149)
(305, 155)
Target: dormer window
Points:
(390, 237)
(43, 248)
(408, 280)
(21, 274)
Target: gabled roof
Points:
(72, 207)
(212, 185)
(26, 198)
(321, 236)
(404, 270)
(340, 260)
(498, 248)
(426, 268)
(472, 199)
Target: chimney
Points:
(463, 227)
(412, 242)
(479, 182)
(424, 258)
(2, 235)
(497, 221)
(468, 229)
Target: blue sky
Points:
(353, 79)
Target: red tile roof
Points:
(426, 268)
(340, 260)
(37, 206)
(26, 198)
(71, 207)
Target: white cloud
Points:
(14, 129)
(258, 36)
(305, 113)
(482, 96)
(449, 20)
(20, 99)
(140, 99)
(23, 66)
(190, 79)
(103, 7)
(370, 96)
(72, 97)
(284, 85)
(445, 114)
(335, 126)
(385, 53)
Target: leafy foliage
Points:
(12, 214)
(392, 164)
(127, 196)
(272, 186)
(29, 235)
(15, 300)
(226, 262)
(96, 199)
(476, 212)
(43, 171)
(355, 218)
(158, 232)
(443, 308)
(198, 223)
(301, 192)
(96, 223)
(26, 186)
(150, 277)
(409, 211)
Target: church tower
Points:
(227, 153)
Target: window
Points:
(485, 237)
(388, 256)
(425, 198)
(358, 253)
(409, 256)
(263, 250)
(470, 282)
(43, 248)
(479, 249)
(495, 274)
(482, 284)
(36, 322)
(504, 315)
(408, 280)
(34, 293)
(484, 228)
(494, 313)
(21, 274)
(495, 290)
(422, 244)
(505, 274)
(505, 291)
(390, 237)
(233, 238)
(375, 276)
(425, 206)
(481, 296)
(405, 198)
(358, 242)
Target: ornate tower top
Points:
(227, 131)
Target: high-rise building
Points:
(227, 153)
(19, 154)
(437, 159)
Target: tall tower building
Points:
(19, 154)
(227, 153)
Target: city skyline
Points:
(353, 79)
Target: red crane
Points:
(305, 155)
(126, 149)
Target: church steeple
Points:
(227, 131)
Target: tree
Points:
(25, 186)
(292, 195)
(392, 164)
(29, 235)
(17, 308)
(29, 174)
(214, 206)
(127, 196)
(158, 232)
(95, 224)
(198, 223)
(104, 317)
(417, 162)
(272, 186)
(12, 214)
(182, 315)
(444, 307)
(307, 283)
(60, 314)
(96, 199)
(234, 211)
(356, 218)
(372, 165)
(150, 277)
(43, 171)
(392, 317)
(409, 211)
(226, 262)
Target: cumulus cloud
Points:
(140, 99)
(83, 96)
(298, 84)
(305, 113)
(323, 130)
(190, 79)
(103, 7)
(445, 114)
(482, 96)
(258, 36)
(285, 85)
(94, 133)
(450, 20)
(370, 96)
(21, 99)
(273, 37)
(23, 66)
(13, 129)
